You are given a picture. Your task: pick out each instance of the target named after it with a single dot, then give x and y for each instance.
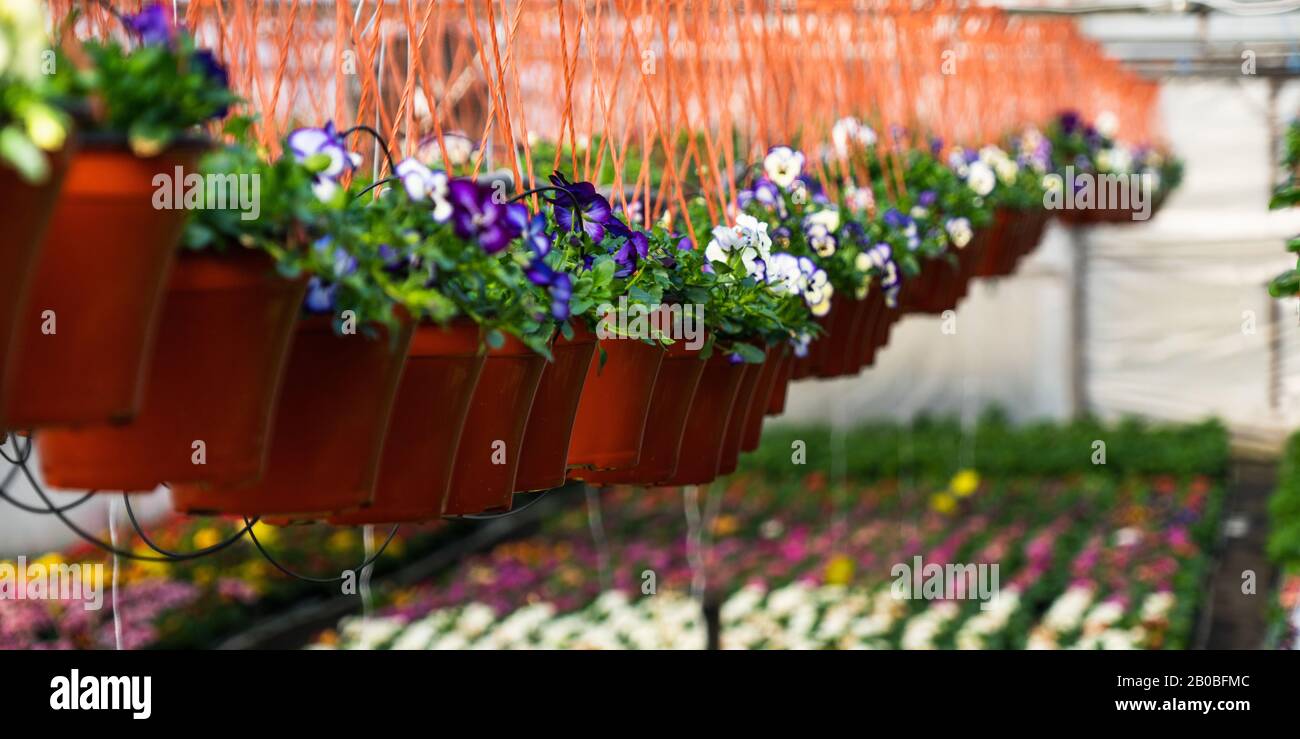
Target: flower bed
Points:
(192, 604)
(1088, 559)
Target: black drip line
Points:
(20, 463)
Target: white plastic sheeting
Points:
(1177, 318)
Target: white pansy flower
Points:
(783, 166)
(748, 238)
(960, 231)
(422, 183)
(981, 178)
(1107, 124)
(859, 199)
(849, 132)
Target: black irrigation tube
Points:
(184, 556)
(318, 580)
(512, 512)
(379, 138)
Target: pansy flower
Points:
(783, 166)
(635, 247)
(321, 292)
(849, 132)
(422, 183)
(959, 230)
(153, 24)
(766, 193)
(533, 230)
(595, 210)
(479, 214)
(819, 229)
(326, 147)
(206, 61)
(747, 239)
(980, 178)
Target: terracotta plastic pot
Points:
(92, 312)
(675, 389)
(214, 378)
(492, 442)
(840, 355)
(767, 378)
(25, 211)
(329, 432)
(424, 430)
(934, 290)
(706, 424)
(615, 402)
(822, 349)
(874, 312)
(544, 456)
(1000, 247)
(776, 402)
(730, 455)
(880, 339)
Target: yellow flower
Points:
(943, 503)
(725, 525)
(964, 483)
(341, 541)
(264, 532)
(45, 128)
(206, 537)
(839, 571)
(48, 561)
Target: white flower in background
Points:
(974, 633)
(742, 603)
(859, 199)
(960, 231)
(1053, 182)
(474, 620)
(920, 631)
(800, 344)
(1127, 536)
(819, 228)
(849, 132)
(917, 212)
(22, 39)
(460, 149)
(748, 238)
(1042, 637)
(1107, 124)
(1007, 171)
(1115, 159)
(1068, 609)
(981, 178)
(783, 601)
(1102, 616)
(1156, 607)
(422, 183)
(827, 217)
(371, 633)
(957, 162)
(783, 166)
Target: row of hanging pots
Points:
(856, 329)
(85, 272)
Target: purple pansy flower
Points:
(895, 219)
(153, 25)
(1069, 121)
(635, 247)
(533, 230)
(207, 62)
(477, 214)
(927, 199)
(595, 209)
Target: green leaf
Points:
(495, 339)
(23, 155)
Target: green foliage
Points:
(1284, 508)
(934, 450)
(152, 93)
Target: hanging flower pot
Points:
(329, 430)
(615, 402)
(92, 312)
(840, 352)
(543, 458)
(874, 313)
(490, 446)
(776, 402)
(25, 210)
(822, 349)
(706, 424)
(443, 365)
(730, 455)
(762, 394)
(999, 250)
(880, 337)
(675, 390)
(223, 341)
